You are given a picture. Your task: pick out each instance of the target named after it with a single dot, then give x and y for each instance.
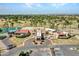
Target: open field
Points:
(65, 41)
(17, 41)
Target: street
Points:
(6, 41)
(29, 44)
(67, 52)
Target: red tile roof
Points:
(22, 31)
(60, 33)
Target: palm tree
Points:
(78, 23)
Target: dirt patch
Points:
(17, 41)
(65, 41)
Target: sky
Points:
(39, 8)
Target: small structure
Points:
(10, 29)
(50, 31)
(38, 34)
(63, 35)
(22, 33)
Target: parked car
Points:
(2, 37)
(74, 49)
(58, 52)
(56, 49)
(11, 46)
(50, 31)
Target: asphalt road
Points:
(28, 45)
(16, 51)
(41, 52)
(64, 49)
(6, 41)
(2, 44)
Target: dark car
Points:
(42, 36)
(2, 37)
(11, 46)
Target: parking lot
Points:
(41, 52)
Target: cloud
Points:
(38, 5)
(5, 8)
(30, 5)
(58, 4)
(35, 5)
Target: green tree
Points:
(22, 53)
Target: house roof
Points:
(62, 33)
(10, 29)
(22, 31)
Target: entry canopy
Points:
(27, 28)
(48, 29)
(11, 29)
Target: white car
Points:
(50, 31)
(74, 49)
(56, 49)
(58, 52)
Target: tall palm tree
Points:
(78, 23)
